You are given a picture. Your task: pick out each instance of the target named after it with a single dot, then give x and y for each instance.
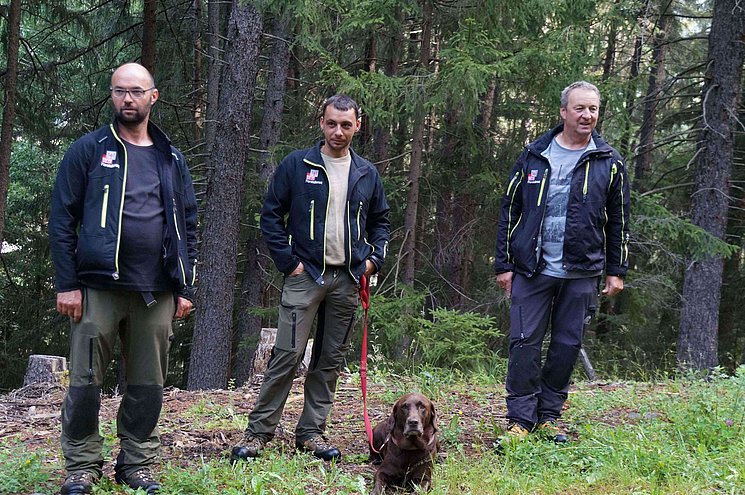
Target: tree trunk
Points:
(197, 84)
(210, 353)
(149, 31)
(651, 102)
(408, 251)
(697, 342)
(636, 60)
(382, 134)
(253, 285)
(608, 61)
(214, 73)
(9, 108)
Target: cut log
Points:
(264, 352)
(46, 369)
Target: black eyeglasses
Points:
(135, 93)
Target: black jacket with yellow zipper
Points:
(293, 216)
(87, 203)
(596, 233)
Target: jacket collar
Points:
(160, 139)
(542, 143)
(313, 157)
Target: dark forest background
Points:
(451, 91)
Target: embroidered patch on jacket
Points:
(533, 177)
(312, 177)
(109, 160)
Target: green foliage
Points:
(656, 226)
(451, 338)
(23, 470)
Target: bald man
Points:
(122, 235)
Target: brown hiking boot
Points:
(513, 434)
(319, 447)
(142, 478)
(550, 429)
(250, 447)
(78, 483)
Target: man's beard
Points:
(132, 119)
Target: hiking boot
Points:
(141, 478)
(78, 483)
(251, 447)
(550, 429)
(319, 447)
(513, 434)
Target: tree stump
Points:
(46, 369)
(264, 351)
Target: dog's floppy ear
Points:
(433, 413)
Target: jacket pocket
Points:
(311, 219)
(104, 206)
(359, 213)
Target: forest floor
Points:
(196, 425)
(674, 437)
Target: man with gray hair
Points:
(564, 221)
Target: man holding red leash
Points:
(325, 222)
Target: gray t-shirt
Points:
(143, 220)
(562, 161)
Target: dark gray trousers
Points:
(534, 393)
(335, 303)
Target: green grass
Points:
(680, 436)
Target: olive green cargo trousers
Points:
(145, 336)
(335, 303)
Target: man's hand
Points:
(70, 304)
(183, 308)
(505, 282)
(613, 285)
(297, 271)
(369, 268)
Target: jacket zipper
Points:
(359, 211)
(104, 205)
(115, 275)
(518, 175)
(178, 236)
(312, 212)
(543, 185)
(584, 186)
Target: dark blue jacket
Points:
(596, 234)
(87, 203)
(293, 217)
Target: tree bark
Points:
(197, 83)
(9, 108)
(210, 353)
(408, 251)
(697, 341)
(214, 72)
(651, 102)
(382, 134)
(253, 285)
(149, 31)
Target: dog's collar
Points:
(395, 442)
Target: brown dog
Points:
(407, 444)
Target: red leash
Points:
(365, 300)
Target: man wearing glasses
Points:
(122, 232)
